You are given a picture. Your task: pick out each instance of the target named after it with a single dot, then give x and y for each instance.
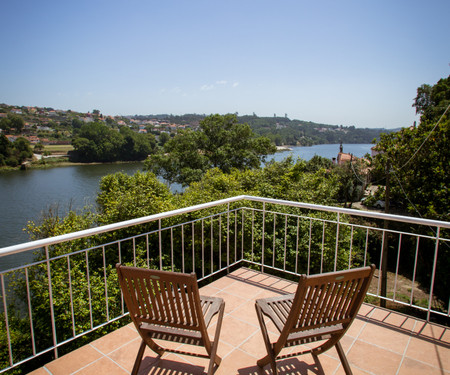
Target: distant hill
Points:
(284, 131)
(59, 125)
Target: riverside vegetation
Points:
(98, 138)
(212, 174)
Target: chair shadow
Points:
(159, 366)
(289, 366)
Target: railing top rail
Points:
(350, 211)
(147, 219)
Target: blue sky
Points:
(335, 62)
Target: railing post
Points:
(433, 274)
(50, 298)
(160, 245)
(337, 241)
(263, 234)
(384, 264)
(5, 311)
(228, 238)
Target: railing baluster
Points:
(323, 246)
(122, 302)
(253, 236)
(182, 248)
(106, 283)
(203, 248)
(415, 269)
(351, 248)
(285, 241)
(366, 247)
(380, 276)
(296, 244)
(274, 237)
(212, 244)
(134, 251)
(220, 242)
(193, 248)
(263, 235)
(436, 249)
(30, 312)
(309, 247)
(397, 265)
(89, 289)
(72, 310)
(147, 243)
(5, 312)
(171, 248)
(337, 240)
(50, 297)
(235, 236)
(242, 233)
(228, 236)
(160, 244)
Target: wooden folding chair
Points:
(322, 309)
(167, 306)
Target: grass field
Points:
(58, 149)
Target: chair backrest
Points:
(329, 299)
(161, 297)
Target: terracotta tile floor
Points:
(379, 342)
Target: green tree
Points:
(413, 163)
(432, 101)
(16, 122)
(417, 158)
(219, 142)
(136, 146)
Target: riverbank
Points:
(60, 162)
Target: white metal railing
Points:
(71, 284)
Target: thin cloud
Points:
(206, 87)
(235, 84)
(223, 82)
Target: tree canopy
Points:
(97, 142)
(14, 153)
(417, 158)
(220, 142)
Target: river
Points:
(25, 195)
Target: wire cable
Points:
(428, 136)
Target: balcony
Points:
(241, 248)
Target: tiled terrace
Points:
(379, 341)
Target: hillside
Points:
(50, 126)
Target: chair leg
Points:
(137, 363)
(214, 358)
(343, 359)
(318, 364)
(154, 346)
(270, 357)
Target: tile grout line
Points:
(406, 347)
(355, 339)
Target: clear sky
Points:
(335, 62)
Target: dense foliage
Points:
(220, 142)
(283, 131)
(414, 163)
(97, 142)
(417, 158)
(14, 153)
(11, 123)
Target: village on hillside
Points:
(56, 127)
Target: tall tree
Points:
(219, 142)
(418, 157)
